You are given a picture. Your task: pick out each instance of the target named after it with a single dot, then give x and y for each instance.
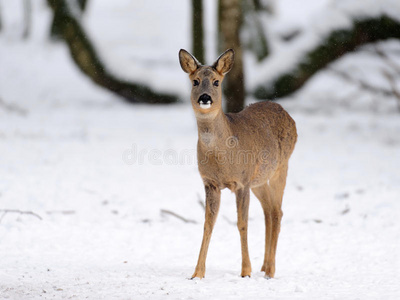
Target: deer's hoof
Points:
(197, 274)
(269, 271)
(246, 272)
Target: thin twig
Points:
(229, 221)
(13, 108)
(395, 91)
(168, 212)
(6, 211)
(200, 201)
(62, 212)
(388, 75)
(386, 58)
(361, 83)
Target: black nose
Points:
(204, 98)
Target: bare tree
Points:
(335, 45)
(85, 56)
(55, 31)
(254, 37)
(197, 30)
(27, 18)
(82, 4)
(1, 24)
(230, 21)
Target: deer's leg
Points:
(242, 203)
(263, 194)
(277, 183)
(213, 196)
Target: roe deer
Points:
(239, 151)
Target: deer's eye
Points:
(195, 82)
(216, 83)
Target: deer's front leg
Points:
(242, 203)
(213, 197)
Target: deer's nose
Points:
(205, 101)
(204, 98)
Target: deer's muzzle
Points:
(205, 101)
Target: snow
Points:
(99, 173)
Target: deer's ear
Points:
(188, 62)
(224, 63)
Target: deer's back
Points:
(265, 126)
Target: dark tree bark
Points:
(230, 21)
(267, 6)
(335, 45)
(86, 58)
(55, 29)
(197, 30)
(55, 32)
(82, 4)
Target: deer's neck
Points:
(213, 129)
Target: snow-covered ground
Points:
(99, 173)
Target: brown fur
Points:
(242, 151)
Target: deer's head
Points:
(206, 80)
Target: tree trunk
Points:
(230, 20)
(254, 37)
(335, 45)
(55, 31)
(1, 24)
(86, 58)
(197, 30)
(82, 4)
(27, 18)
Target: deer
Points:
(243, 151)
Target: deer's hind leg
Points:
(270, 195)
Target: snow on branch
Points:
(171, 213)
(393, 91)
(6, 211)
(84, 54)
(340, 31)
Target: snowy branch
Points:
(168, 212)
(389, 76)
(62, 212)
(13, 108)
(363, 85)
(6, 211)
(87, 59)
(201, 202)
(392, 92)
(337, 43)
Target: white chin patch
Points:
(205, 105)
